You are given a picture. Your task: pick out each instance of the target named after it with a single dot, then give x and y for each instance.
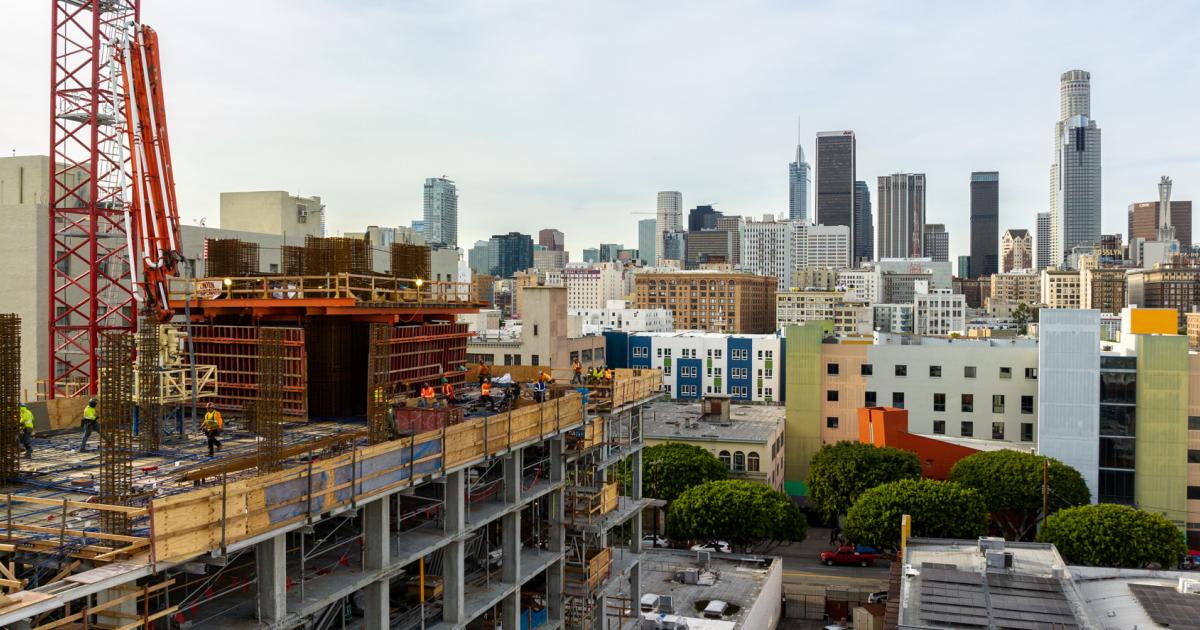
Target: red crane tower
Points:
(90, 284)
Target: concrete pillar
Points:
(456, 506)
(558, 534)
(378, 556)
(511, 543)
(271, 556)
(118, 614)
(454, 558)
(512, 476)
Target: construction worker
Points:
(448, 391)
(485, 372)
(211, 426)
(26, 419)
(485, 393)
(91, 423)
(539, 390)
(577, 369)
(428, 396)
(608, 374)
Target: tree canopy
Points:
(1011, 485)
(839, 473)
(1111, 535)
(939, 509)
(748, 515)
(670, 469)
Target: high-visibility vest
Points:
(485, 389)
(608, 375)
(26, 418)
(89, 413)
(427, 391)
(577, 367)
(447, 389)
(213, 420)
(484, 369)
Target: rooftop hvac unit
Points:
(998, 560)
(990, 543)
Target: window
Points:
(752, 462)
(831, 369)
(666, 369)
(939, 402)
(866, 369)
(939, 427)
(1026, 431)
(533, 360)
(1031, 373)
(997, 403)
(969, 371)
(1006, 373)
(739, 462)
(968, 403)
(901, 370)
(1026, 404)
(725, 459)
(717, 355)
(658, 352)
(1116, 452)
(535, 330)
(831, 422)
(967, 429)
(1193, 492)
(831, 395)
(869, 399)
(997, 430)
(935, 371)
(1193, 423)
(898, 400)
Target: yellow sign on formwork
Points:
(1153, 321)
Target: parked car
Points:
(848, 555)
(714, 546)
(655, 541)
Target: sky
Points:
(572, 115)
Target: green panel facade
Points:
(803, 376)
(1160, 480)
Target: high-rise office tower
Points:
(646, 244)
(440, 225)
(900, 199)
(985, 223)
(964, 267)
(835, 180)
(702, 218)
(669, 218)
(864, 228)
(1016, 250)
(510, 253)
(799, 178)
(1075, 174)
(1144, 215)
(552, 240)
(1042, 242)
(937, 242)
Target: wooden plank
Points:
(133, 512)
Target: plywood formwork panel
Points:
(234, 351)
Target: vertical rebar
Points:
(379, 385)
(149, 384)
(116, 428)
(10, 396)
(268, 406)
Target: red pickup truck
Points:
(849, 555)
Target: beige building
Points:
(1016, 250)
(546, 336)
(1060, 288)
(273, 212)
(1014, 287)
(24, 211)
(592, 285)
(815, 278)
(844, 369)
(852, 319)
(711, 300)
(746, 438)
(1102, 289)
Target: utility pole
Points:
(1045, 486)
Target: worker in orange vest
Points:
(448, 391)
(485, 372)
(427, 396)
(577, 368)
(485, 393)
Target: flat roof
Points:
(701, 334)
(733, 578)
(665, 420)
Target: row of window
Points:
(966, 401)
(966, 428)
(739, 461)
(935, 371)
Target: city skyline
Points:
(436, 127)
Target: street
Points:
(807, 582)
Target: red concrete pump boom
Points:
(153, 215)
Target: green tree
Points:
(839, 473)
(670, 469)
(748, 515)
(1110, 535)
(1011, 485)
(939, 509)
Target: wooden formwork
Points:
(587, 505)
(234, 352)
(583, 576)
(587, 436)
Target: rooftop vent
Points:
(990, 543)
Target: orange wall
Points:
(1153, 321)
(888, 426)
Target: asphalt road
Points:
(803, 571)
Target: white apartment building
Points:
(939, 313)
(1061, 288)
(616, 315)
(770, 248)
(893, 318)
(969, 388)
(747, 367)
(828, 247)
(860, 285)
(591, 286)
(852, 319)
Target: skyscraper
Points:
(670, 217)
(864, 228)
(1042, 242)
(1016, 250)
(835, 181)
(901, 199)
(702, 218)
(552, 239)
(937, 242)
(510, 253)
(985, 223)
(1075, 174)
(1143, 221)
(799, 178)
(647, 251)
(440, 225)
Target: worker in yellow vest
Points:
(90, 423)
(212, 425)
(26, 419)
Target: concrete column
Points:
(378, 536)
(511, 543)
(271, 557)
(118, 614)
(454, 575)
(456, 507)
(512, 476)
(558, 534)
